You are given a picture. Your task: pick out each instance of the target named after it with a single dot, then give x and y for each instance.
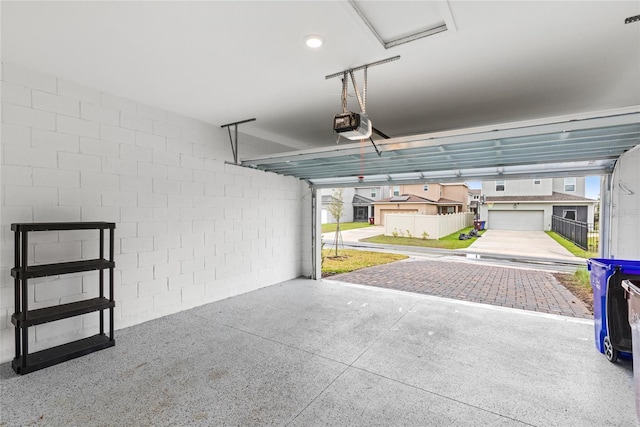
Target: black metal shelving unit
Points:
(23, 318)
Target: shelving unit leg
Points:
(111, 259)
(101, 274)
(16, 290)
(24, 261)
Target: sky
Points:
(592, 186)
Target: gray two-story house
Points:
(528, 204)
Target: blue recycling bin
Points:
(610, 309)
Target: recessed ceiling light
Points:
(314, 41)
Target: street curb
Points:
(578, 263)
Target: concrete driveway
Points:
(531, 244)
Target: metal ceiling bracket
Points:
(631, 19)
(362, 67)
(234, 143)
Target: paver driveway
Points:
(508, 287)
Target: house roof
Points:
(475, 191)
(448, 202)
(554, 197)
(361, 200)
(412, 198)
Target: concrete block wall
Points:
(190, 229)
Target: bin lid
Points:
(627, 266)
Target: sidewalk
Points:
(519, 248)
(354, 235)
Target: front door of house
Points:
(360, 213)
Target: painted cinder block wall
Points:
(190, 229)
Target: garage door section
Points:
(516, 220)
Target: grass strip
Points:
(351, 260)
(448, 242)
(570, 246)
(327, 228)
(579, 284)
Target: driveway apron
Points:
(534, 244)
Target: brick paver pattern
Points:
(507, 287)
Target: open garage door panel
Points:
(577, 145)
(516, 220)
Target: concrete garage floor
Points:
(306, 353)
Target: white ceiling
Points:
(223, 61)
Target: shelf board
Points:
(62, 311)
(59, 226)
(61, 353)
(44, 270)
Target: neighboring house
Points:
(358, 203)
(426, 199)
(474, 200)
(529, 204)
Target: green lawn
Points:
(448, 242)
(571, 247)
(351, 259)
(327, 228)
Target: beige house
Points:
(425, 199)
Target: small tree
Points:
(335, 208)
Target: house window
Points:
(425, 187)
(569, 214)
(570, 184)
(536, 182)
(374, 192)
(396, 190)
(499, 185)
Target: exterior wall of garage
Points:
(581, 212)
(190, 229)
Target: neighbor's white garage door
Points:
(516, 220)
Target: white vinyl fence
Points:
(435, 226)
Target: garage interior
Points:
(113, 112)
